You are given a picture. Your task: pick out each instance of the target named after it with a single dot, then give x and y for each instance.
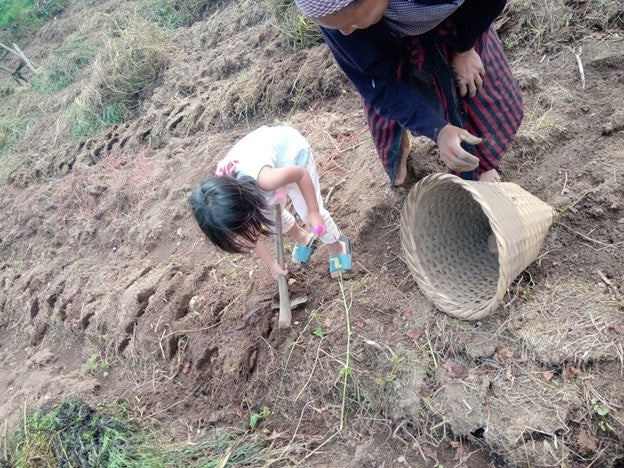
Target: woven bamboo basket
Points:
(465, 242)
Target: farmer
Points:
(434, 68)
(235, 208)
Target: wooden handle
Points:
(285, 314)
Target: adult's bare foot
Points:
(490, 176)
(406, 146)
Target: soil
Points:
(100, 256)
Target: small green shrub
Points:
(71, 434)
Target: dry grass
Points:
(553, 24)
(571, 321)
(300, 32)
(273, 89)
(123, 75)
(177, 13)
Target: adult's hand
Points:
(469, 72)
(452, 154)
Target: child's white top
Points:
(276, 147)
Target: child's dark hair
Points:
(230, 211)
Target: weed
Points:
(318, 332)
(95, 364)
(255, 418)
(71, 433)
(346, 371)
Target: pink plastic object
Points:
(318, 230)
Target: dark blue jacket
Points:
(369, 57)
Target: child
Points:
(236, 208)
(434, 68)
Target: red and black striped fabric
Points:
(494, 114)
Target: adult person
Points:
(433, 68)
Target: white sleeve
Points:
(251, 163)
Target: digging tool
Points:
(294, 303)
(285, 314)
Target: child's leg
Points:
(296, 232)
(331, 237)
(332, 233)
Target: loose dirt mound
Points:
(107, 288)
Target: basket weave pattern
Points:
(445, 226)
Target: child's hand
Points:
(277, 270)
(315, 220)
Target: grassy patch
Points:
(64, 66)
(71, 434)
(300, 32)
(21, 16)
(74, 434)
(123, 74)
(12, 128)
(174, 14)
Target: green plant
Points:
(599, 408)
(392, 374)
(601, 411)
(527, 294)
(95, 364)
(255, 418)
(74, 434)
(318, 332)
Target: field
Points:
(116, 314)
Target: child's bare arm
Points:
(273, 178)
(264, 252)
